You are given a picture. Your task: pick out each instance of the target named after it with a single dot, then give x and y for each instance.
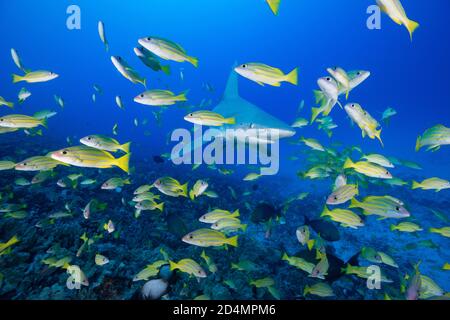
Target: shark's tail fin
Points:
(232, 90)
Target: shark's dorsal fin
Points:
(232, 90)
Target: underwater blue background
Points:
(412, 77)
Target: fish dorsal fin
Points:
(232, 89)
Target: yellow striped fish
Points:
(188, 266)
(209, 238)
(434, 138)
(343, 194)
(208, 118)
(368, 169)
(345, 217)
(38, 164)
(86, 157)
(21, 121)
(264, 74)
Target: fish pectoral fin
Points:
(260, 83)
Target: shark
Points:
(267, 128)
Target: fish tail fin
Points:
(127, 181)
(231, 120)
(411, 26)
(392, 227)
(415, 185)
(354, 203)
(285, 257)
(378, 136)
(10, 104)
(306, 290)
(318, 94)
(181, 97)
(44, 122)
(193, 61)
(192, 195)
(432, 230)
(315, 113)
(166, 69)
(172, 265)
(184, 188)
(244, 227)
(125, 147)
(274, 6)
(325, 212)
(292, 77)
(310, 244)
(123, 163)
(236, 214)
(13, 240)
(233, 241)
(160, 206)
(348, 164)
(418, 146)
(16, 78)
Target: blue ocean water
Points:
(411, 77)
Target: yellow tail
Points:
(285, 257)
(415, 185)
(123, 163)
(378, 136)
(310, 244)
(172, 265)
(274, 5)
(293, 77)
(230, 120)
(235, 214)
(392, 227)
(418, 146)
(233, 241)
(181, 97)
(348, 164)
(194, 61)
(184, 189)
(315, 113)
(306, 290)
(9, 104)
(325, 212)
(244, 227)
(192, 195)
(411, 26)
(160, 206)
(16, 78)
(125, 147)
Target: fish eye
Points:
(387, 172)
(353, 105)
(89, 138)
(335, 197)
(64, 152)
(24, 163)
(1, 119)
(397, 208)
(190, 236)
(149, 39)
(328, 79)
(244, 66)
(141, 95)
